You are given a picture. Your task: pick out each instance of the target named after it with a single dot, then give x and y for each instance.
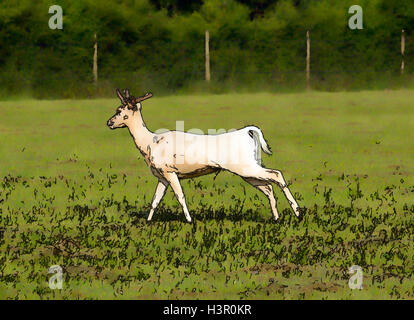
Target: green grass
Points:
(76, 194)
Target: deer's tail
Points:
(258, 133)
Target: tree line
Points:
(159, 45)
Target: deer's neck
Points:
(139, 131)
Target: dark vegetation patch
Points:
(107, 249)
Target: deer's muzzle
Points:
(110, 123)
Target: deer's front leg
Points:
(159, 193)
(172, 178)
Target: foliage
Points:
(160, 45)
(108, 250)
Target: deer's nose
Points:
(110, 123)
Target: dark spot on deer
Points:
(157, 140)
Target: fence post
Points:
(402, 50)
(207, 56)
(307, 60)
(95, 62)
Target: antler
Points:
(127, 97)
(120, 96)
(144, 97)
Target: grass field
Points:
(76, 194)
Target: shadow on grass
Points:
(166, 214)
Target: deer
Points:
(175, 155)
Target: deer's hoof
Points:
(299, 214)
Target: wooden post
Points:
(95, 63)
(307, 60)
(207, 56)
(402, 50)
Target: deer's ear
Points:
(126, 93)
(119, 94)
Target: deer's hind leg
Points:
(270, 175)
(267, 189)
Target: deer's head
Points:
(126, 111)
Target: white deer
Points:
(175, 155)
